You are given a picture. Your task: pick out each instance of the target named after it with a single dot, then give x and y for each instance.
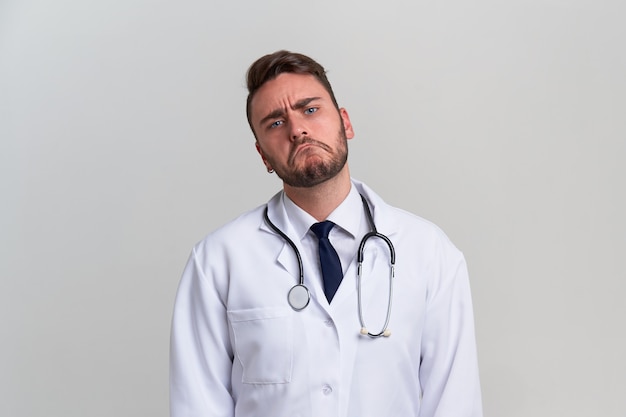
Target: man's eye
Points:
(276, 124)
(311, 110)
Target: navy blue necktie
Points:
(329, 260)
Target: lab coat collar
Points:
(277, 214)
(384, 219)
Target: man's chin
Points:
(308, 178)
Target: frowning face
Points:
(300, 133)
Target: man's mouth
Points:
(305, 144)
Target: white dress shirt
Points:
(350, 225)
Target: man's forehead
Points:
(288, 86)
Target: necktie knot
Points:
(322, 229)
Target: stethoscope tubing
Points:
(299, 295)
(392, 261)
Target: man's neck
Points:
(319, 201)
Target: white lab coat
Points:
(239, 349)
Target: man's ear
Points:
(347, 124)
(260, 151)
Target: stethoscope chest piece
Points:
(298, 297)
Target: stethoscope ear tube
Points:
(392, 261)
(392, 251)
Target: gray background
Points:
(124, 141)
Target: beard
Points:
(316, 169)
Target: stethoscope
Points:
(299, 295)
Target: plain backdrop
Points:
(123, 141)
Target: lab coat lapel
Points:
(286, 257)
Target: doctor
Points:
(391, 337)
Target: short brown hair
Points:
(271, 66)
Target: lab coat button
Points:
(327, 390)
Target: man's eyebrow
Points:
(274, 114)
(304, 102)
(300, 104)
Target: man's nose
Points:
(298, 130)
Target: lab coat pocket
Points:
(263, 344)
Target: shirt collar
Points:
(343, 216)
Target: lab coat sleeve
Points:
(200, 352)
(449, 369)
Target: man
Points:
(273, 315)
